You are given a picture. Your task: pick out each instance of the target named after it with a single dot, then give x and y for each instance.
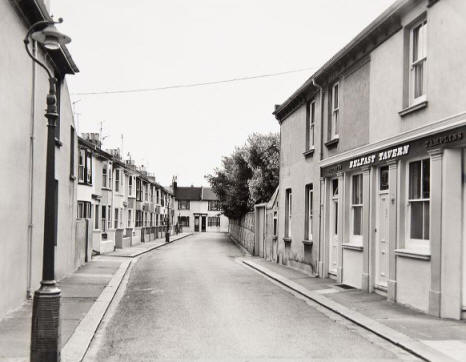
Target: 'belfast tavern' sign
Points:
(451, 138)
(379, 156)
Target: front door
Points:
(381, 231)
(333, 232)
(196, 223)
(203, 225)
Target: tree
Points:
(248, 176)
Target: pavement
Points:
(85, 297)
(196, 300)
(427, 337)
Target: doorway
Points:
(333, 232)
(381, 230)
(196, 223)
(203, 224)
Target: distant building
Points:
(124, 202)
(198, 210)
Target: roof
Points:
(192, 193)
(383, 27)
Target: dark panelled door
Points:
(203, 224)
(196, 223)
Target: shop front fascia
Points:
(396, 226)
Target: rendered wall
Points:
(242, 231)
(16, 111)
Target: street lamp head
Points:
(50, 38)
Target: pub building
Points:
(394, 215)
(372, 192)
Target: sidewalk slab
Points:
(91, 284)
(145, 247)
(430, 338)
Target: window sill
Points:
(309, 152)
(287, 240)
(58, 143)
(413, 108)
(308, 242)
(84, 183)
(353, 246)
(413, 254)
(332, 143)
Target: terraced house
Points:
(23, 89)
(372, 191)
(123, 203)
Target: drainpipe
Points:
(29, 291)
(320, 157)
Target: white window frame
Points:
(421, 61)
(81, 164)
(420, 245)
(357, 239)
(310, 207)
(336, 119)
(117, 180)
(289, 205)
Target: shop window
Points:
(419, 203)
(356, 207)
(288, 211)
(184, 221)
(383, 178)
(309, 212)
(213, 221)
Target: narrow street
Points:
(194, 300)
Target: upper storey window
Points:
(418, 59)
(335, 111)
(310, 124)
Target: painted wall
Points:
(16, 110)
(201, 207)
(446, 94)
(297, 171)
(243, 231)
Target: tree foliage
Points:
(248, 176)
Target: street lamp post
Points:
(167, 233)
(45, 328)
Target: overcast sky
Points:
(122, 45)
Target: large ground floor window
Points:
(213, 221)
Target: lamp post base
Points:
(45, 329)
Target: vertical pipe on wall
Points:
(31, 178)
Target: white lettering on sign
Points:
(381, 156)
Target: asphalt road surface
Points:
(193, 300)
